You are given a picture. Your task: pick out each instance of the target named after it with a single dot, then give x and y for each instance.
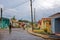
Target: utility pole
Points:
(1, 17)
(1, 14)
(31, 14)
(34, 16)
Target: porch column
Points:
(53, 25)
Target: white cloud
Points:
(46, 4)
(1, 6)
(46, 7)
(13, 10)
(57, 3)
(10, 13)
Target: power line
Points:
(21, 4)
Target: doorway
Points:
(57, 25)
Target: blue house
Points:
(55, 23)
(4, 23)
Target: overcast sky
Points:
(21, 8)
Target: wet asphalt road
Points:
(17, 34)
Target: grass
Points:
(40, 31)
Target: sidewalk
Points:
(36, 34)
(46, 37)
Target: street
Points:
(17, 34)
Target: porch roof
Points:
(57, 15)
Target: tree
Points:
(14, 18)
(26, 21)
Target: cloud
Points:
(46, 4)
(10, 13)
(1, 6)
(12, 3)
(57, 3)
(44, 8)
(12, 10)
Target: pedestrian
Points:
(10, 28)
(23, 26)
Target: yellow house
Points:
(39, 24)
(45, 24)
(51, 24)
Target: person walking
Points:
(10, 28)
(23, 26)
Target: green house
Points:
(4, 23)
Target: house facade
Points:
(50, 24)
(46, 25)
(4, 23)
(15, 23)
(55, 23)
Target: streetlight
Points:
(31, 13)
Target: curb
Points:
(39, 35)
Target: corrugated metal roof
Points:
(55, 15)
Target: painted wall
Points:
(46, 25)
(4, 23)
(57, 25)
(54, 27)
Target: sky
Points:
(21, 8)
